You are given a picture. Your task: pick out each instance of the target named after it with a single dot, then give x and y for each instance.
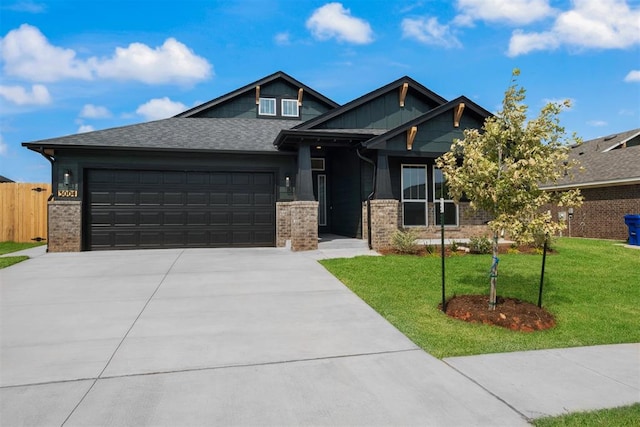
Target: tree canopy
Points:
(501, 167)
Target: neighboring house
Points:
(271, 163)
(609, 182)
(5, 179)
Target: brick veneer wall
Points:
(65, 226)
(388, 220)
(384, 222)
(304, 225)
(283, 223)
(601, 216)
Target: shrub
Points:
(480, 245)
(404, 242)
(453, 246)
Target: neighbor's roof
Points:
(5, 179)
(232, 135)
(606, 161)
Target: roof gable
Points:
(241, 103)
(383, 108)
(435, 130)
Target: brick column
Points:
(283, 223)
(384, 222)
(65, 226)
(304, 225)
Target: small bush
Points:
(480, 245)
(404, 242)
(454, 246)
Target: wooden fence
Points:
(23, 212)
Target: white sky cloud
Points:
(26, 6)
(597, 123)
(39, 95)
(334, 21)
(160, 108)
(85, 129)
(4, 148)
(171, 62)
(591, 24)
(282, 39)
(516, 12)
(429, 31)
(633, 76)
(91, 111)
(28, 55)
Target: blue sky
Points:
(69, 66)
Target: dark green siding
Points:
(434, 136)
(383, 112)
(244, 105)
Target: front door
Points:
(321, 192)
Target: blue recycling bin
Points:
(633, 222)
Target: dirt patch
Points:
(510, 313)
(434, 250)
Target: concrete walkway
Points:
(255, 336)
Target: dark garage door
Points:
(168, 209)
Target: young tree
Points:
(501, 167)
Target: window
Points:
(290, 108)
(450, 208)
(267, 107)
(414, 196)
(317, 164)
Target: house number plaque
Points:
(67, 193)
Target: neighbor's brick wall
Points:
(65, 226)
(304, 225)
(283, 223)
(601, 216)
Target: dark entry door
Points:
(160, 209)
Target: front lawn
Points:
(592, 287)
(620, 417)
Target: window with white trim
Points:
(267, 107)
(414, 195)
(440, 189)
(290, 108)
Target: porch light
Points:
(287, 182)
(67, 178)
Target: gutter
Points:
(596, 184)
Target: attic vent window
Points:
(610, 137)
(267, 107)
(290, 108)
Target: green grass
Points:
(9, 247)
(620, 417)
(592, 287)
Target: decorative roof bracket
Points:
(411, 136)
(300, 92)
(257, 94)
(403, 93)
(457, 114)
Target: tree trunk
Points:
(494, 273)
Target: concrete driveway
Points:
(213, 337)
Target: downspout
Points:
(370, 196)
(51, 160)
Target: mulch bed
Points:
(510, 313)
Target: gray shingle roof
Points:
(603, 163)
(233, 134)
